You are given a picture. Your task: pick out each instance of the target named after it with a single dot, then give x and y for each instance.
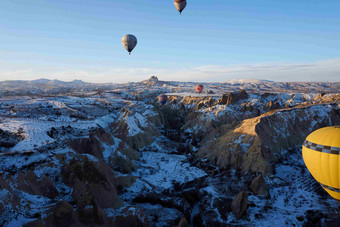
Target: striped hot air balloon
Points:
(199, 88)
(180, 5)
(321, 154)
(162, 99)
(129, 42)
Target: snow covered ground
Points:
(293, 192)
(162, 170)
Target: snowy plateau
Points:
(86, 154)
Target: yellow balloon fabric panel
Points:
(321, 154)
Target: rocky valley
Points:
(81, 154)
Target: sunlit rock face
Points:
(257, 143)
(251, 132)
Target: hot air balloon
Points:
(162, 99)
(321, 154)
(129, 42)
(199, 88)
(180, 5)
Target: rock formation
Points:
(240, 203)
(258, 186)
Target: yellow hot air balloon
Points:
(321, 154)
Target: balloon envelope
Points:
(199, 88)
(180, 5)
(129, 42)
(321, 154)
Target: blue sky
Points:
(288, 40)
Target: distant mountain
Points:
(77, 82)
(45, 86)
(245, 81)
(43, 81)
(40, 81)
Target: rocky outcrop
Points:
(288, 128)
(137, 127)
(239, 204)
(90, 145)
(121, 163)
(206, 113)
(267, 94)
(86, 183)
(273, 105)
(9, 139)
(124, 181)
(206, 103)
(183, 223)
(92, 182)
(232, 98)
(225, 99)
(89, 211)
(200, 105)
(9, 198)
(58, 133)
(142, 139)
(329, 98)
(29, 183)
(257, 143)
(235, 149)
(189, 101)
(131, 217)
(259, 186)
(103, 135)
(153, 80)
(63, 214)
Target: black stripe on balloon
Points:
(330, 188)
(321, 148)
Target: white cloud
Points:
(326, 70)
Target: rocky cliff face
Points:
(9, 139)
(137, 125)
(257, 143)
(207, 112)
(66, 191)
(253, 131)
